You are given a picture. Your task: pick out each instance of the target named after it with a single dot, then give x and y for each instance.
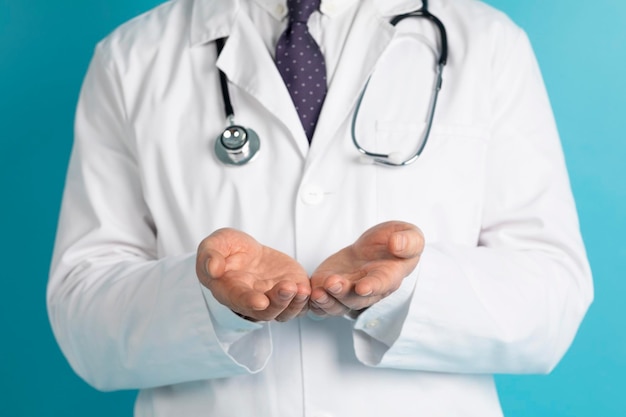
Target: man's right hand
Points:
(252, 280)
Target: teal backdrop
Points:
(45, 46)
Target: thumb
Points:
(406, 244)
(214, 265)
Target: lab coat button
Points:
(328, 7)
(281, 11)
(372, 324)
(312, 195)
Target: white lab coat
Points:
(501, 287)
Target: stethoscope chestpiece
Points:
(237, 145)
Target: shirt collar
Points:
(332, 8)
(213, 19)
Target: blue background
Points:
(45, 47)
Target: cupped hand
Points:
(367, 271)
(253, 280)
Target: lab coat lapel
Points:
(258, 76)
(366, 41)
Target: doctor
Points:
(305, 282)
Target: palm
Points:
(368, 270)
(252, 279)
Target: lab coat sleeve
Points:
(512, 303)
(124, 317)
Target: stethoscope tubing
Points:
(238, 145)
(390, 160)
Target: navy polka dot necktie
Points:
(301, 64)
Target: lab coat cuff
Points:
(229, 326)
(377, 328)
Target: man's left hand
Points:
(367, 271)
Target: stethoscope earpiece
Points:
(237, 145)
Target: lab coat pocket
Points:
(442, 192)
(402, 140)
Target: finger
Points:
(341, 288)
(375, 284)
(344, 292)
(239, 296)
(328, 304)
(296, 308)
(252, 300)
(338, 286)
(280, 297)
(316, 310)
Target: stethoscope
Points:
(238, 145)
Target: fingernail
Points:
(301, 297)
(335, 288)
(322, 300)
(400, 242)
(367, 294)
(206, 267)
(286, 295)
